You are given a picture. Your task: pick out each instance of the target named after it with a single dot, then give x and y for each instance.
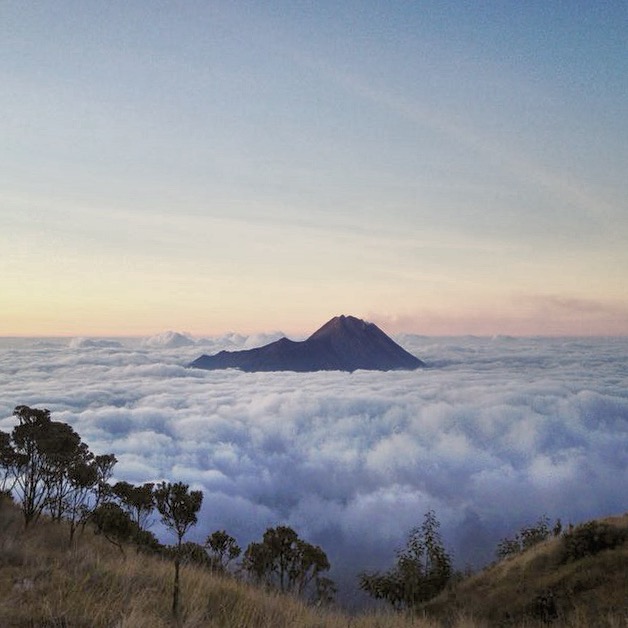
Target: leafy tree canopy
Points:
(223, 549)
(287, 562)
(422, 570)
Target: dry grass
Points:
(535, 587)
(44, 582)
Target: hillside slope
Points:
(551, 583)
(45, 582)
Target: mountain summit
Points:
(344, 343)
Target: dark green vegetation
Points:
(527, 537)
(48, 468)
(178, 507)
(576, 577)
(284, 560)
(76, 550)
(422, 571)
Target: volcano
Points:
(344, 343)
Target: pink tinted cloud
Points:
(526, 315)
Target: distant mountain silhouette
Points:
(344, 343)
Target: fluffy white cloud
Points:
(169, 340)
(495, 433)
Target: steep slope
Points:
(344, 343)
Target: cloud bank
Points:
(496, 433)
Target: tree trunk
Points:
(175, 592)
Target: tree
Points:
(422, 570)
(325, 592)
(178, 507)
(138, 501)
(258, 562)
(64, 452)
(31, 463)
(287, 562)
(113, 523)
(46, 455)
(82, 478)
(28, 461)
(223, 549)
(194, 554)
(91, 489)
(7, 462)
(308, 562)
(104, 469)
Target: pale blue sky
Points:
(206, 166)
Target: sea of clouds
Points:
(495, 433)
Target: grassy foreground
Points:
(45, 582)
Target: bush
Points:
(526, 538)
(508, 547)
(591, 538)
(422, 571)
(192, 554)
(533, 535)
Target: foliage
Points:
(178, 507)
(423, 569)
(325, 592)
(193, 554)
(223, 549)
(53, 470)
(508, 547)
(114, 524)
(147, 541)
(7, 461)
(533, 535)
(82, 477)
(104, 465)
(44, 450)
(285, 561)
(591, 538)
(137, 501)
(527, 537)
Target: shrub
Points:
(527, 537)
(591, 538)
(422, 570)
(533, 535)
(114, 524)
(508, 547)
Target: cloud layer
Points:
(497, 432)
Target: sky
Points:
(436, 168)
(496, 433)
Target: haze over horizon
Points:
(435, 168)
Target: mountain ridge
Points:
(344, 343)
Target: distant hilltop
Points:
(345, 343)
